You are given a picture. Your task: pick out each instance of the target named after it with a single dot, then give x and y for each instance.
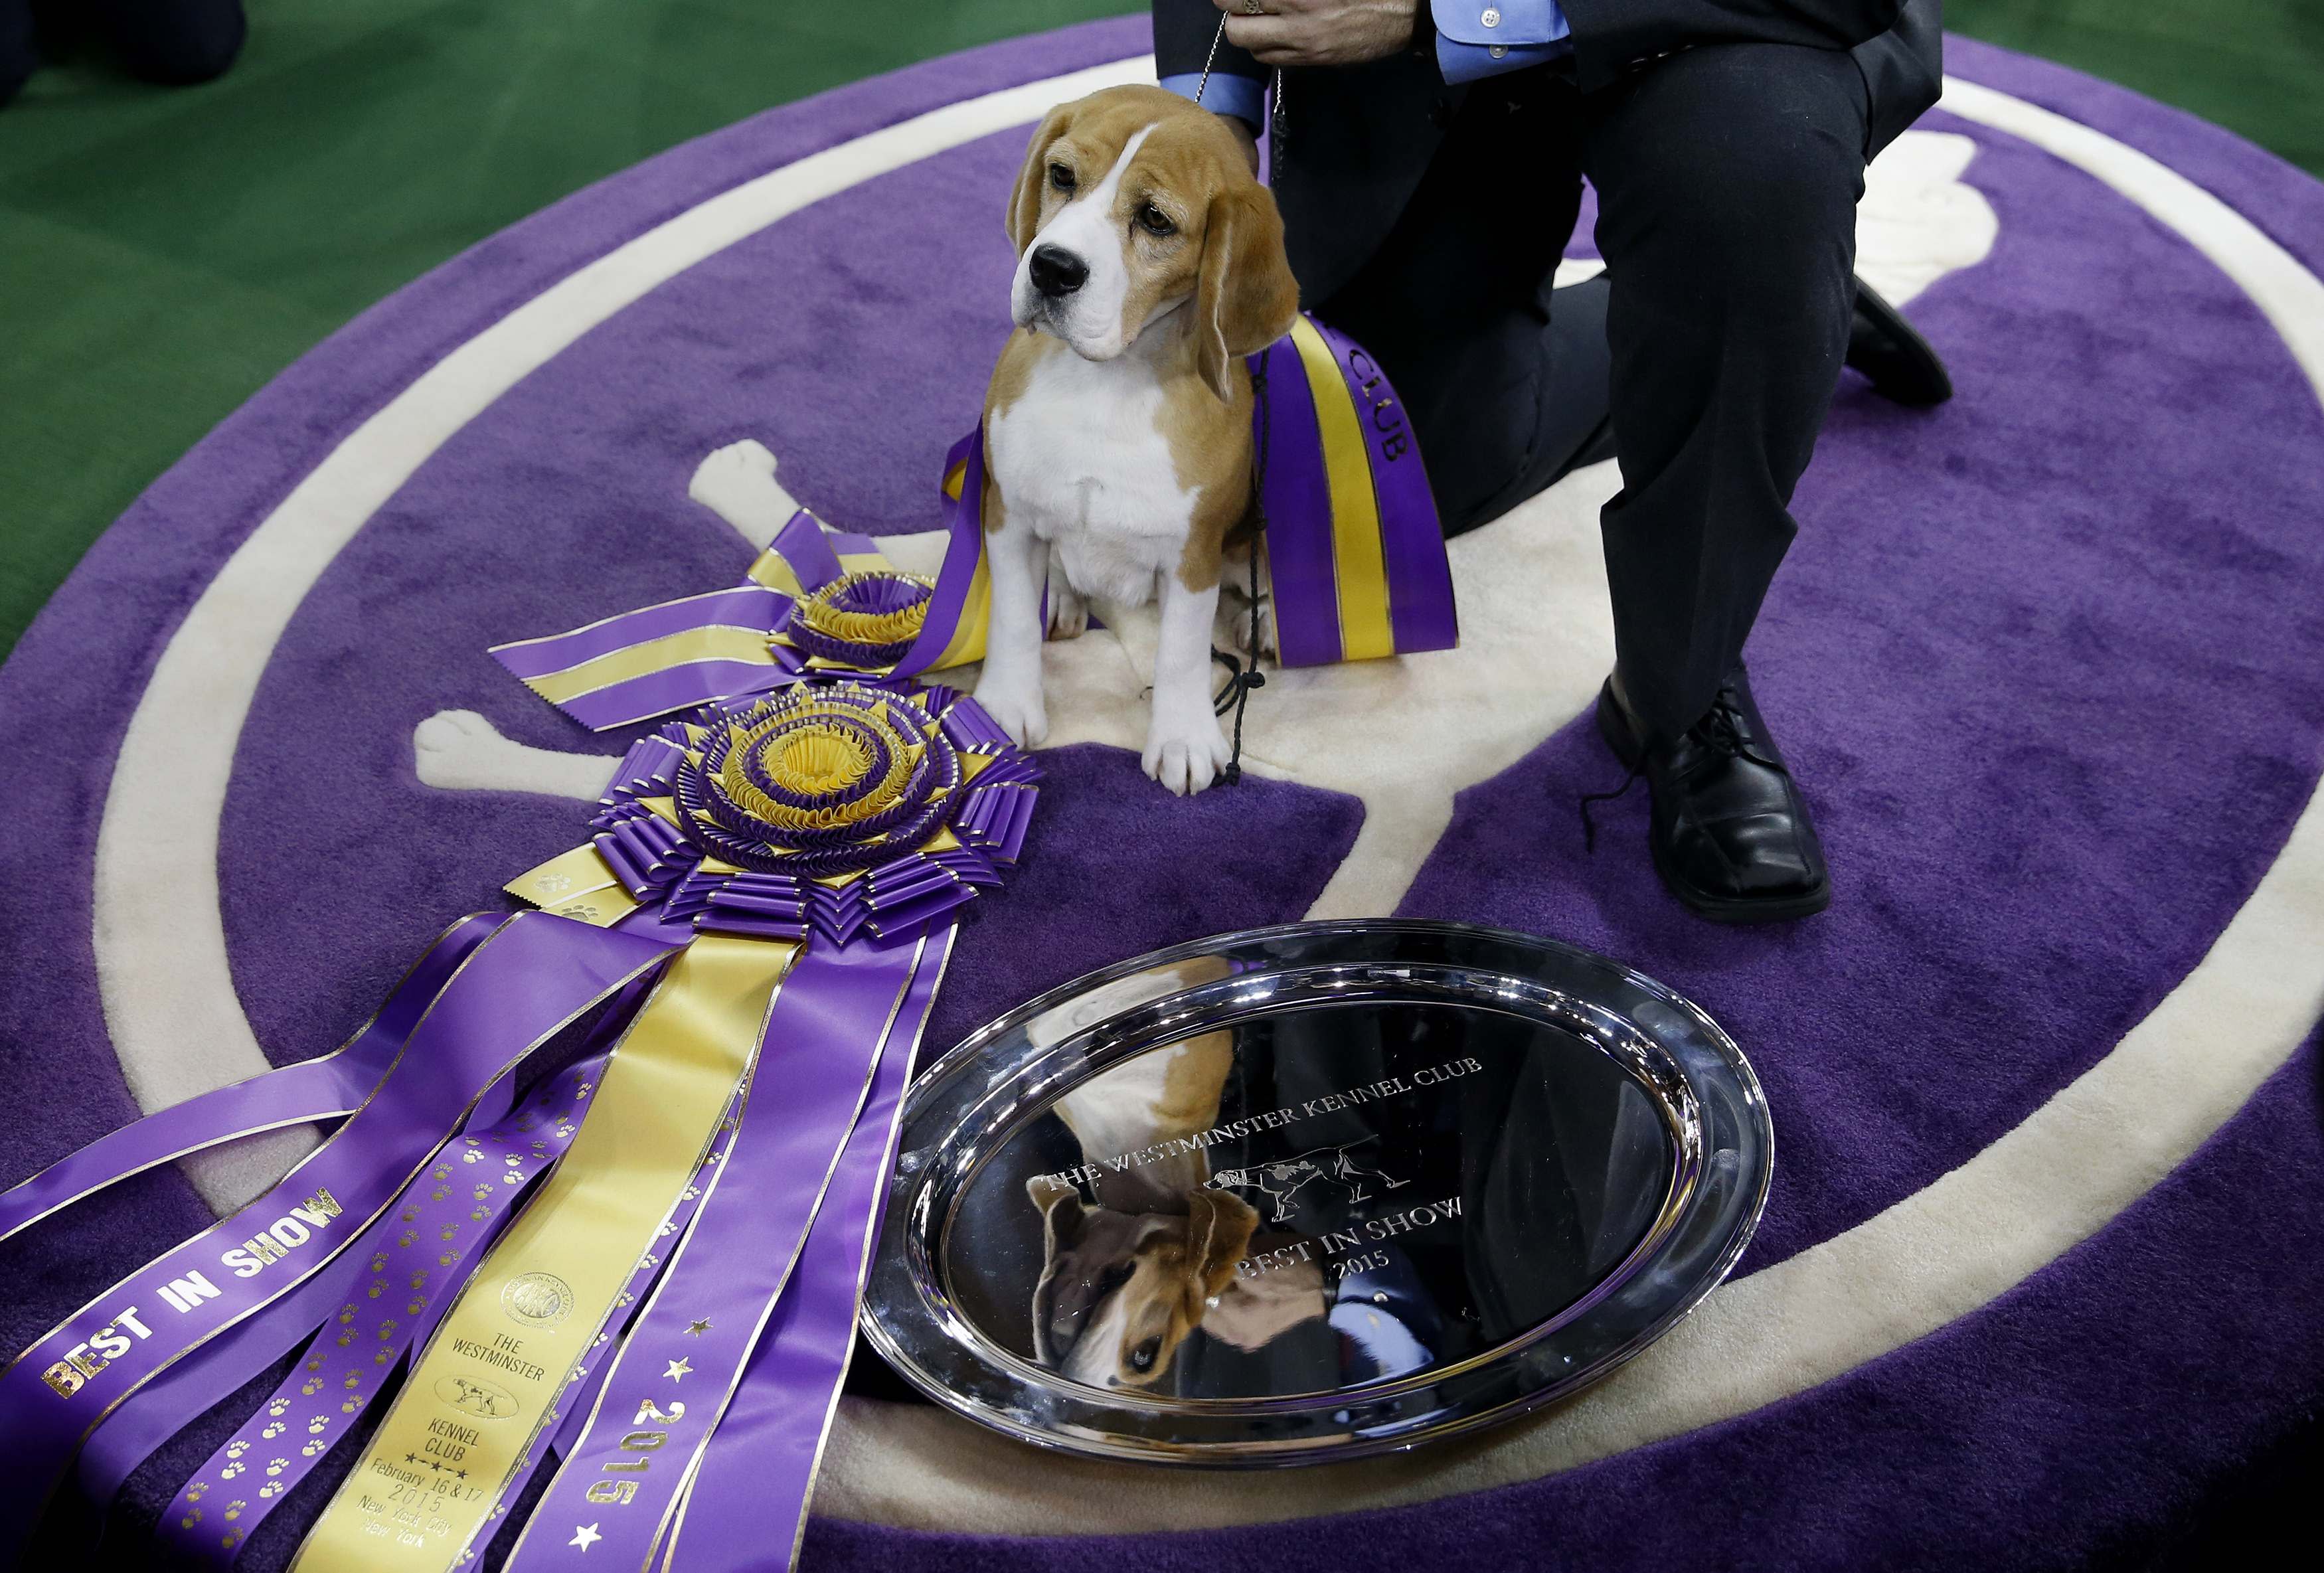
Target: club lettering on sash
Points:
(1387, 418)
(277, 1239)
(84, 1360)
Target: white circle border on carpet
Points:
(2093, 1148)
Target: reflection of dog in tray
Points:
(1131, 1271)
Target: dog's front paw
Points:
(1231, 629)
(1068, 612)
(1016, 708)
(1187, 753)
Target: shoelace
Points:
(1720, 729)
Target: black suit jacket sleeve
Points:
(1612, 36)
(1183, 31)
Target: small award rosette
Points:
(604, 1189)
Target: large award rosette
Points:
(608, 1173)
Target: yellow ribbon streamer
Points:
(483, 1393)
(716, 642)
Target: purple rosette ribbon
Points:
(818, 803)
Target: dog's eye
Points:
(1061, 178)
(1154, 221)
(1143, 1357)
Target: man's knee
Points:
(1732, 173)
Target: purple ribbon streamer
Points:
(157, 1411)
(533, 976)
(801, 544)
(964, 519)
(451, 1212)
(840, 1010)
(751, 605)
(323, 1088)
(1298, 498)
(760, 1469)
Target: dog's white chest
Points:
(1080, 456)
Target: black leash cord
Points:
(1241, 678)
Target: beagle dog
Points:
(1117, 425)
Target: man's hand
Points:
(1319, 33)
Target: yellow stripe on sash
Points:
(719, 642)
(1359, 560)
(481, 1395)
(975, 611)
(774, 571)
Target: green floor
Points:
(163, 253)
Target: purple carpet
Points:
(2047, 659)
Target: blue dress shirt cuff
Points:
(1244, 97)
(1483, 38)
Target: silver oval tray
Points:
(1313, 1191)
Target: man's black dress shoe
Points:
(1731, 835)
(1887, 349)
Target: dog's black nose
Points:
(1057, 272)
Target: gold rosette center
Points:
(816, 762)
(803, 750)
(818, 611)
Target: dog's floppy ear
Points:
(1219, 1226)
(1245, 297)
(1061, 1210)
(1024, 201)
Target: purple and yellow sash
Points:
(1355, 554)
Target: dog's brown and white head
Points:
(1134, 202)
(1119, 1291)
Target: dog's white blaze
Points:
(1096, 1357)
(2095, 1147)
(1086, 228)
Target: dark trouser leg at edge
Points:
(1728, 178)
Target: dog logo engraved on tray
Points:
(537, 1299)
(1281, 1182)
